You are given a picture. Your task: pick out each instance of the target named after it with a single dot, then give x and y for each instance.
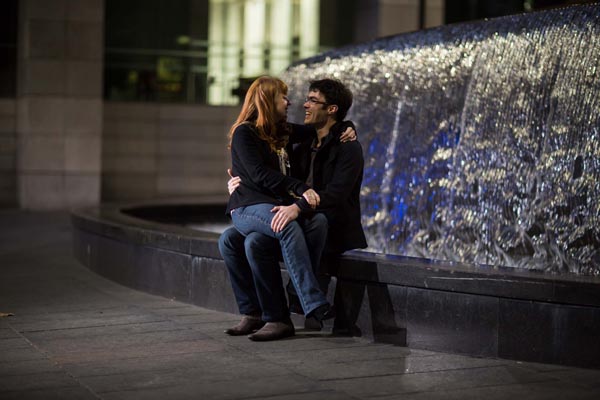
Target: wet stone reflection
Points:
(481, 140)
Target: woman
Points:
(269, 201)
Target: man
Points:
(334, 170)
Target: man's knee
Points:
(320, 220)
(231, 241)
(318, 223)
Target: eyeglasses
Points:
(314, 101)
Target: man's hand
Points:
(233, 182)
(312, 197)
(283, 216)
(349, 135)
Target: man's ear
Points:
(332, 109)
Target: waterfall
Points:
(481, 140)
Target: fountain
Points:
(482, 140)
(480, 196)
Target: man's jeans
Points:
(298, 257)
(253, 266)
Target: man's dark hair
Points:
(335, 93)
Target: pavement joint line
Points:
(340, 362)
(228, 321)
(153, 371)
(427, 372)
(186, 315)
(88, 362)
(82, 327)
(303, 350)
(194, 325)
(36, 390)
(313, 392)
(79, 310)
(491, 385)
(131, 333)
(136, 389)
(286, 394)
(175, 328)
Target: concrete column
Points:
(224, 46)
(281, 36)
(309, 23)
(254, 37)
(232, 51)
(216, 49)
(8, 151)
(59, 103)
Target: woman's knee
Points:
(256, 218)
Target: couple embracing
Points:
(295, 192)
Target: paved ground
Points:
(75, 335)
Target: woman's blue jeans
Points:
(298, 257)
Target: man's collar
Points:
(334, 133)
(337, 129)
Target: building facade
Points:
(110, 100)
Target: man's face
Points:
(315, 109)
(281, 106)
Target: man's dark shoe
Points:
(247, 325)
(274, 331)
(312, 324)
(323, 312)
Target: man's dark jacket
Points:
(337, 177)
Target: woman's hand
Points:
(283, 216)
(312, 197)
(233, 182)
(349, 135)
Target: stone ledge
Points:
(420, 303)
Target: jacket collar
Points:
(334, 133)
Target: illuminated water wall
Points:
(481, 140)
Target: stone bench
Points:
(419, 303)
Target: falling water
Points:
(481, 140)
(386, 184)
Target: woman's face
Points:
(281, 106)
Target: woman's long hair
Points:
(259, 109)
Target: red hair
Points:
(259, 109)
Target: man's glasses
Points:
(314, 101)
